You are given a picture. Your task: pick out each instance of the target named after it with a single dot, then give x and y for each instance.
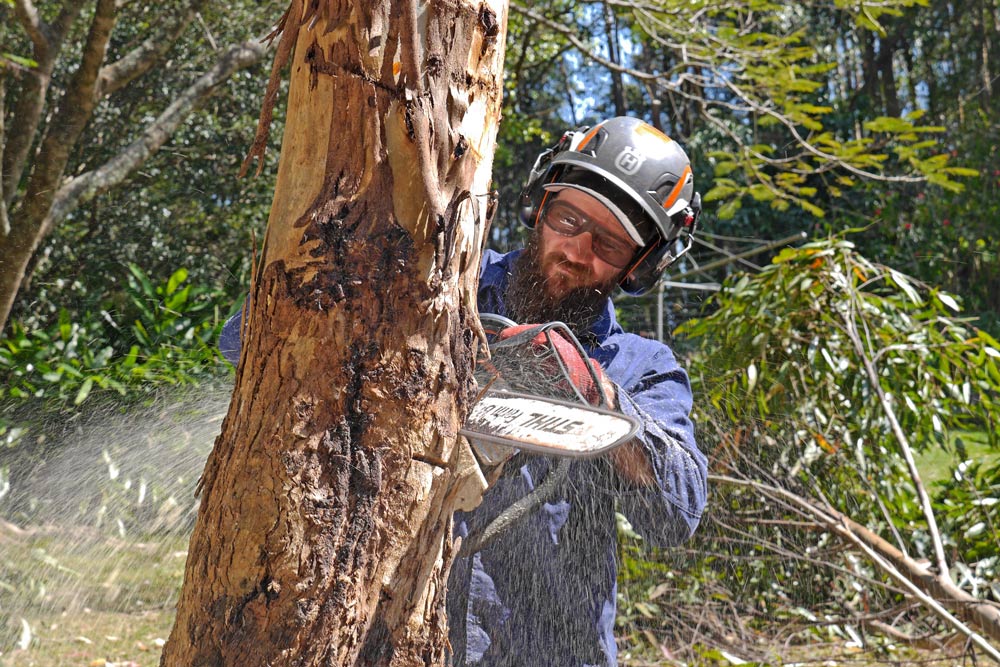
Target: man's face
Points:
(569, 263)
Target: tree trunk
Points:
(47, 196)
(614, 55)
(323, 536)
(887, 78)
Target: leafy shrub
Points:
(161, 334)
(784, 397)
(93, 427)
(166, 335)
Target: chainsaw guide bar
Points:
(531, 403)
(545, 426)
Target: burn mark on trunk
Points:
(266, 590)
(352, 263)
(434, 64)
(408, 118)
(490, 25)
(413, 385)
(488, 21)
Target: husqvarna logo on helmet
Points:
(629, 161)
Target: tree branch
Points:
(115, 170)
(568, 33)
(37, 29)
(851, 329)
(922, 584)
(4, 220)
(707, 43)
(804, 143)
(140, 60)
(26, 115)
(74, 110)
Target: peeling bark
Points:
(323, 536)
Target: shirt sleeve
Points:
(229, 339)
(655, 390)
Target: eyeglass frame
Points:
(589, 225)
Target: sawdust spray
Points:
(96, 510)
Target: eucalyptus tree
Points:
(750, 71)
(323, 532)
(824, 376)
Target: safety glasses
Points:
(566, 220)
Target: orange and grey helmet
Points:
(640, 174)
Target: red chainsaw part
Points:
(584, 373)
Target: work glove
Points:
(584, 373)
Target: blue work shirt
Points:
(543, 593)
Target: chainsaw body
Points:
(528, 401)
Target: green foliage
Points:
(164, 334)
(946, 238)
(185, 206)
(968, 504)
(785, 384)
(764, 75)
(782, 336)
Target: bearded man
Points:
(610, 206)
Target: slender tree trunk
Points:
(37, 195)
(869, 68)
(887, 78)
(614, 55)
(982, 24)
(323, 533)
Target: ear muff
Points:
(654, 259)
(646, 269)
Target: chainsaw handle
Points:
(554, 336)
(493, 324)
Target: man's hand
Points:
(633, 464)
(581, 370)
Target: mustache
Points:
(576, 269)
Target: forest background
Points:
(855, 374)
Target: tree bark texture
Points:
(323, 533)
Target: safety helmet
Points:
(642, 175)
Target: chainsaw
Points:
(529, 402)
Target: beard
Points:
(534, 295)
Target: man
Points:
(607, 207)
